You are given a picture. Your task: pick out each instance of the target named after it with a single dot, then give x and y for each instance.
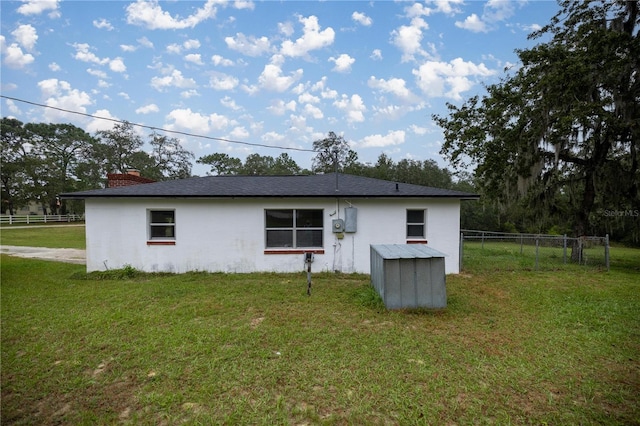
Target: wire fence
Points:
(488, 249)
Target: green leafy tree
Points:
(61, 148)
(221, 164)
(333, 152)
(561, 135)
(258, 165)
(18, 165)
(285, 165)
(113, 153)
(170, 158)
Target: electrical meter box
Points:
(337, 225)
(350, 219)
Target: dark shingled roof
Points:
(273, 186)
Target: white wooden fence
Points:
(33, 218)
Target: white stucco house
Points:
(265, 223)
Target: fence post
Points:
(537, 245)
(579, 250)
(10, 219)
(461, 255)
(482, 246)
(45, 218)
(606, 251)
(521, 243)
(564, 249)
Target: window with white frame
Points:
(162, 224)
(416, 224)
(293, 228)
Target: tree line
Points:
(42, 160)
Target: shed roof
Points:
(406, 251)
(324, 185)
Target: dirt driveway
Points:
(58, 254)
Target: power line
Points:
(177, 132)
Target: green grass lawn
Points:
(67, 236)
(512, 347)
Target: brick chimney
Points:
(132, 177)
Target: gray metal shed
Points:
(409, 276)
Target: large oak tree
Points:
(561, 134)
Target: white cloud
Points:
(36, 7)
(117, 65)
(97, 73)
(313, 111)
(176, 79)
(239, 132)
(396, 86)
(376, 55)
(494, 11)
(174, 48)
(196, 122)
(102, 24)
(145, 42)
(194, 58)
(498, 10)
(279, 107)
(128, 48)
(308, 98)
(244, 4)
(394, 137)
(149, 14)
(124, 95)
(353, 107)
(219, 60)
(12, 107)
(54, 67)
(14, 57)
(361, 18)
(84, 54)
(230, 103)
(97, 124)
(343, 63)
(187, 94)
(531, 28)
(250, 46)
(221, 81)
(408, 38)
(273, 80)
(417, 10)
(191, 44)
(286, 28)
(26, 36)
(60, 94)
(449, 79)
(312, 39)
(418, 130)
(448, 7)
(473, 23)
(147, 109)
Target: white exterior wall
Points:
(228, 235)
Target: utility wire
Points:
(177, 132)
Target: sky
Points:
(269, 74)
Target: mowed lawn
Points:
(512, 347)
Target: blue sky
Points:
(264, 72)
